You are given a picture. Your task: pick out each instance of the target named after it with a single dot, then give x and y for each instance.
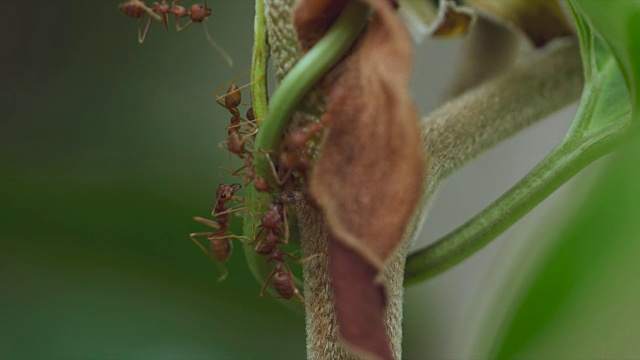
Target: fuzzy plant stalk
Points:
(456, 133)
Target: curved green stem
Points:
(602, 123)
(576, 152)
(293, 88)
(304, 76)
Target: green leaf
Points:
(618, 22)
(583, 300)
(579, 303)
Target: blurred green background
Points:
(109, 148)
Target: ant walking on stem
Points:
(241, 133)
(220, 244)
(283, 280)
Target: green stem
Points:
(566, 160)
(293, 88)
(259, 97)
(304, 76)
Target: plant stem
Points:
(304, 75)
(260, 55)
(579, 148)
(558, 167)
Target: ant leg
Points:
(221, 267)
(260, 232)
(303, 260)
(165, 20)
(286, 224)
(266, 283)
(279, 181)
(236, 172)
(215, 45)
(223, 271)
(229, 211)
(207, 222)
(143, 35)
(181, 28)
(239, 200)
(220, 99)
(151, 13)
(195, 241)
(228, 83)
(244, 86)
(240, 238)
(253, 131)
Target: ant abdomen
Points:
(282, 282)
(132, 9)
(266, 246)
(221, 249)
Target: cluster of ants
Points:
(289, 172)
(197, 13)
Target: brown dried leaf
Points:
(541, 20)
(368, 176)
(369, 173)
(359, 302)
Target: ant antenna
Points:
(215, 45)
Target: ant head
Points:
(200, 12)
(225, 192)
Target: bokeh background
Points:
(109, 148)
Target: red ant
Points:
(276, 225)
(197, 13)
(221, 246)
(240, 131)
(293, 155)
(261, 184)
(282, 279)
(281, 276)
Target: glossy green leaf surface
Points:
(618, 22)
